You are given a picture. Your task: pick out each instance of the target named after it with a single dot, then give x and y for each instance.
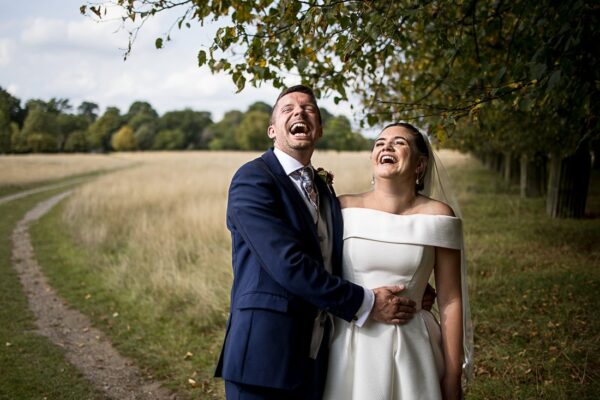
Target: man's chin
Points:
(301, 144)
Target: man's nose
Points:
(298, 110)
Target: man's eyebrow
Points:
(307, 104)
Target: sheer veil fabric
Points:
(437, 186)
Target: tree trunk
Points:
(510, 170)
(533, 175)
(568, 184)
(498, 162)
(493, 161)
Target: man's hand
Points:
(389, 308)
(428, 298)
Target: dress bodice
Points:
(382, 249)
(384, 361)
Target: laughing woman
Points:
(397, 234)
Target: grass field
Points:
(145, 253)
(30, 366)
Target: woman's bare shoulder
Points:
(434, 207)
(352, 200)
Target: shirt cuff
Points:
(365, 308)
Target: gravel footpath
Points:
(86, 347)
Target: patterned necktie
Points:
(306, 181)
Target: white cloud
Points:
(53, 35)
(6, 49)
(50, 50)
(13, 89)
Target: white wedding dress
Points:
(390, 362)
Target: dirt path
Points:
(86, 347)
(45, 188)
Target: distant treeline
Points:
(55, 126)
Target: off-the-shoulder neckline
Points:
(400, 215)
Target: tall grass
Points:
(161, 226)
(29, 169)
(160, 230)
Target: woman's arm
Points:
(447, 281)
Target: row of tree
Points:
(516, 81)
(54, 126)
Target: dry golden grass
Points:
(162, 225)
(23, 170)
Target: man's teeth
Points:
(299, 127)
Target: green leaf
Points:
(239, 80)
(537, 70)
(158, 43)
(372, 119)
(201, 58)
(302, 64)
(500, 75)
(554, 79)
(96, 10)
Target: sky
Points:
(48, 49)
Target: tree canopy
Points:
(52, 126)
(495, 77)
(430, 61)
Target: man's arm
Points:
(280, 249)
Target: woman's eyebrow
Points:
(394, 138)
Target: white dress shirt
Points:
(290, 164)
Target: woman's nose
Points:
(388, 145)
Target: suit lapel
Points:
(326, 194)
(286, 183)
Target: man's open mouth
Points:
(299, 128)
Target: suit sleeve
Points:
(256, 212)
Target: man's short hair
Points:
(299, 89)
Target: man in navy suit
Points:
(287, 251)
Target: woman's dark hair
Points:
(419, 142)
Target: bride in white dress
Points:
(396, 235)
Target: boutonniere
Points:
(326, 176)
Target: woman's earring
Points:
(372, 180)
(417, 180)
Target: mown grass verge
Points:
(31, 367)
(165, 346)
(534, 286)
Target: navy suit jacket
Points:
(279, 281)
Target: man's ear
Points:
(271, 132)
